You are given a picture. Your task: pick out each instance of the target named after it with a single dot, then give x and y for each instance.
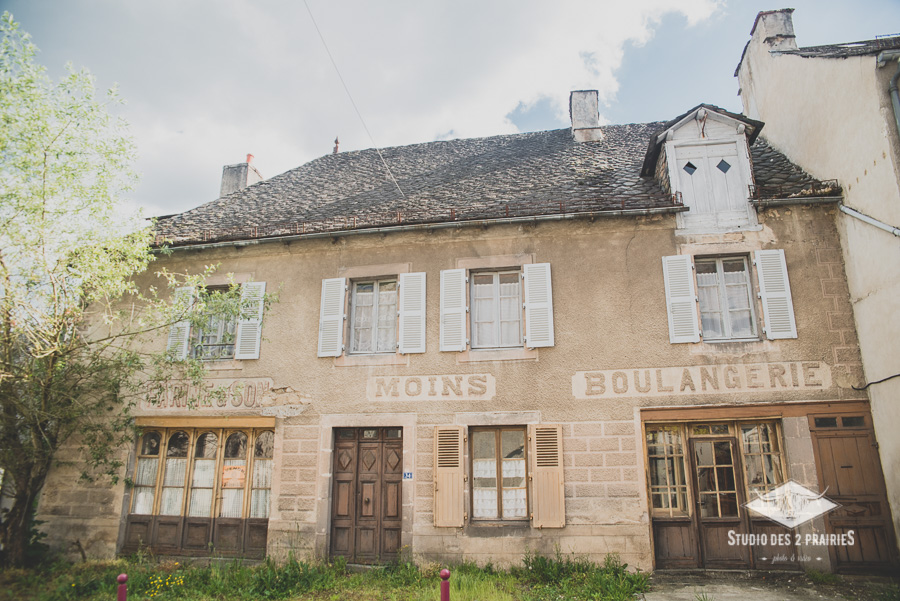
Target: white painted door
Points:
(713, 185)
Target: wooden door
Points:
(719, 500)
(366, 499)
(850, 475)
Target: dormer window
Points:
(707, 160)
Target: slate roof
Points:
(849, 49)
(519, 175)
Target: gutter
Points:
(433, 226)
(870, 220)
(883, 58)
(799, 200)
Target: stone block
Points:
(290, 447)
(578, 475)
(618, 429)
(289, 475)
(627, 443)
(828, 255)
(587, 459)
(588, 429)
(606, 474)
(574, 445)
(846, 354)
(620, 459)
(622, 489)
(835, 287)
(607, 443)
(589, 490)
(309, 446)
(840, 320)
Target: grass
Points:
(538, 579)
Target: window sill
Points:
(510, 354)
(729, 340)
(488, 528)
(370, 360)
(223, 365)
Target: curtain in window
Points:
(145, 482)
(173, 486)
(202, 488)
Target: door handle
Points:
(367, 500)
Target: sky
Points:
(209, 81)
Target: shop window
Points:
(665, 456)
(762, 458)
(186, 480)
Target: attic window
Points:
(723, 166)
(690, 168)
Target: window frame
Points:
(498, 437)
(193, 433)
(197, 333)
(722, 295)
(351, 335)
(496, 306)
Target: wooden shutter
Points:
(412, 313)
(548, 494)
(180, 332)
(538, 306)
(249, 327)
(448, 476)
(775, 292)
(681, 299)
(331, 317)
(453, 310)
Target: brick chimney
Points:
(775, 28)
(585, 115)
(239, 176)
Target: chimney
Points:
(239, 176)
(585, 115)
(775, 28)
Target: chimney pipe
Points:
(585, 115)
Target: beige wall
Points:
(609, 313)
(833, 117)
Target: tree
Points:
(74, 325)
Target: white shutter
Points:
(180, 332)
(538, 305)
(681, 299)
(249, 327)
(331, 317)
(453, 310)
(775, 292)
(412, 312)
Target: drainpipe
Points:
(871, 221)
(882, 60)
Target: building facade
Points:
(835, 109)
(597, 340)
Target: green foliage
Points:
(571, 578)
(818, 577)
(80, 339)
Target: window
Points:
(726, 305)
(665, 455)
(498, 474)
(186, 479)
(500, 309)
(726, 309)
(762, 458)
(373, 321)
(220, 337)
(386, 315)
(516, 474)
(496, 309)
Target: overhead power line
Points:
(350, 96)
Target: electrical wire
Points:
(350, 96)
(876, 382)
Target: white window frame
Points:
(377, 283)
(496, 298)
(217, 326)
(725, 312)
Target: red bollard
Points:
(445, 585)
(122, 595)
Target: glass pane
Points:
(234, 473)
(709, 506)
(370, 434)
(725, 478)
(262, 473)
(513, 473)
(728, 504)
(178, 445)
(658, 472)
(485, 503)
(200, 505)
(150, 444)
(825, 422)
(207, 445)
(514, 503)
(145, 473)
(393, 433)
(175, 472)
(170, 501)
(484, 471)
(232, 500)
(660, 501)
(856, 421)
(236, 446)
(265, 445)
(483, 445)
(723, 453)
(204, 473)
(143, 501)
(259, 504)
(772, 467)
(703, 452)
(346, 434)
(755, 476)
(512, 444)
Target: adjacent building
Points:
(601, 339)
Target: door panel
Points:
(366, 505)
(850, 475)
